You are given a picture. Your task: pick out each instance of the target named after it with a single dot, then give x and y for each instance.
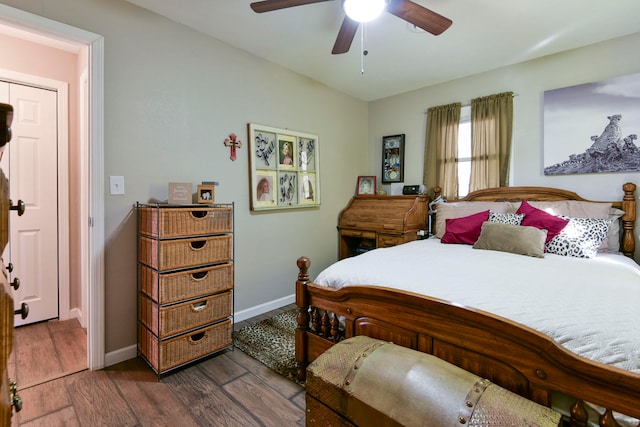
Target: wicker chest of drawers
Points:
(185, 283)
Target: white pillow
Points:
(506, 218)
(581, 238)
(581, 209)
(613, 235)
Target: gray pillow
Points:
(515, 239)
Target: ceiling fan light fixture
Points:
(363, 10)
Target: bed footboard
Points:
(515, 357)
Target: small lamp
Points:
(363, 10)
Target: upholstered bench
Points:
(366, 382)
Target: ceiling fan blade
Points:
(269, 5)
(345, 36)
(419, 16)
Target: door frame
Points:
(93, 236)
(62, 108)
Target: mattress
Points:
(588, 306)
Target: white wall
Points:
(406, 113)
(172, 95)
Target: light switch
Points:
(116, 185)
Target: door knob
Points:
(24, 310)
(15, 284)
(9, 267)
(20, 207)
(15, 400)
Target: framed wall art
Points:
(392, 158)
(593, 127)
(284, 168)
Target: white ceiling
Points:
(486, 34)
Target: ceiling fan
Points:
(411, 12)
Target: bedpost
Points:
(629, 219)
(302, 302)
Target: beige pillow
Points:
(515, 239)
(461, 209)
(574, 208)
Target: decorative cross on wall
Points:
(233, 142)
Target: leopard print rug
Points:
(272, 342)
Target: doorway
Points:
(91, 162)
(39, 238)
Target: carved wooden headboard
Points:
(546, 194)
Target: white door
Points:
(30, 163)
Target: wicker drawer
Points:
(170, 222)
(166, 255)
(167, 288)
(164, 355)
(166, 321)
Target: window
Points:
(464, 151)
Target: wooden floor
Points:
(48, 350)
(230, 389)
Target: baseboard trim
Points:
(131, 352)
(76, 313)
(248, 313)
(115, 357)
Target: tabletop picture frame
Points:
(393, 158)
(206, 193)
(366, 185)
(284, 168)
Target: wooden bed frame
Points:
(513, 356)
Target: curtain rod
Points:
(468, 103)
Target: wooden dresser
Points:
(185, 283)
(376, 222)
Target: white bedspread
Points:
(589, 306)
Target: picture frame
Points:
(366, 185)
(265, 188)
(284, 168)
(307, 187)
(594, 136)
(393, 158)
(180, 193)
(206, 193)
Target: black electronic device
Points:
(411, 189)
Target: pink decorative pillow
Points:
(535, 217)
(465, 230)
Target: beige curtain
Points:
(441, 149)
(491, 132)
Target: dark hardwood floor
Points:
(230, 389)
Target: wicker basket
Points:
(178, 318)
(167, 288)
(167, 255)
(171, 353)
(171, 222)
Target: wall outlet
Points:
(116, 185)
